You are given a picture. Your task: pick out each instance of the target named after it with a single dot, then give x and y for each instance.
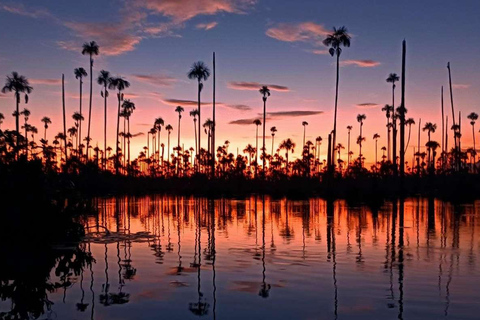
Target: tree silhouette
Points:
(430, 128)
(273, 131)
(265, 92)
(392, 78)
(287, 145)
(375, 137)
(91, 49)
(104, 79)
(200, 72)
(79, 74)
(360, 119)
(473, 117)
(119, 84)
(304, 124)
(335, 40)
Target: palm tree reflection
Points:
(265, 287)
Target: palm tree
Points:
(360, 119)
(256, 122)
(392, 78)
(128, 108)
(318, 141)
(90, 48)
(17, 84)
(194, 114)
(430, 128)
(375, 137)
(304, 124)
(265, 92)
(169, 129)
(338, 38)
(77, 117)
(388, 112)
(432, 149)
(473, 117)
(287, 145)
(119, 84)
(273, 130)
(2, 117)
(250, 151)
(79, 74)
(26, 114)
(409, 122)
(158, 127)
(200, 72)
(349, 128)
(179, 109)
(104, 80)
(46, 121)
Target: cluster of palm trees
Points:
(215, 160)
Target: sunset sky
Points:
(153, 44)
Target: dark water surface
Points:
(180, 258)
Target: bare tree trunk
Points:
(64, 117)
(402, 113)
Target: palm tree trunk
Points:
(402, 113)
(90, 107)
(273, 137)
(168, 149)
(80, 121)
(128, 121)
(394, 134)
(331, 165)
(376, 153)
(64, 117)
(105, 127)
(256, 150)
(474, 149)
(117, 162)
(199, 127)
(178, 145)
(215, 123)
(418, 146)
(453, 115)
(124, 150)
(264, 125)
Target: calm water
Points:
(180, 258)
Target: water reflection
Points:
(181, 258)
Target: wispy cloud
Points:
(460, 86)
(113, 38)
(192, 103)
(305, 32)
(286, 114)
(182, 10)
(360, 63)
(46, 81)
(206, 26)
(157, 80)
(318, 51)
(367, 105)
(239, 85)
(20, 9)
(276, 115)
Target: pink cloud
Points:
(192, 103)
(182, 10)
(20, 9)
(157, 80)
(46, 81)
(240, 85)
(361, 63)
(367, 105)
(207, 26)
(113, 39)
(460, 86)
(319, 52)
(305, 32)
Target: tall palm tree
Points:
(158, 127)
(169, 129)
(304, 124)
(430, 128)
(128, 108)
(46, 121)
(256, 122)
(409, 122)
(335, 40)
(473, 117)
(26, 114)
(91, 49)
(200, 72)
(360, 119)
(77, 117)
(79, 74)
(194, 114)
(287, 145)
(318, 141)
(392, 78)
(265, 92)
(119, 84)
(388, 112)
(273, 130)
(17, 84)
(349, 129)
(104, 80)
(432, 149)
(375, 137)
(179, 109)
